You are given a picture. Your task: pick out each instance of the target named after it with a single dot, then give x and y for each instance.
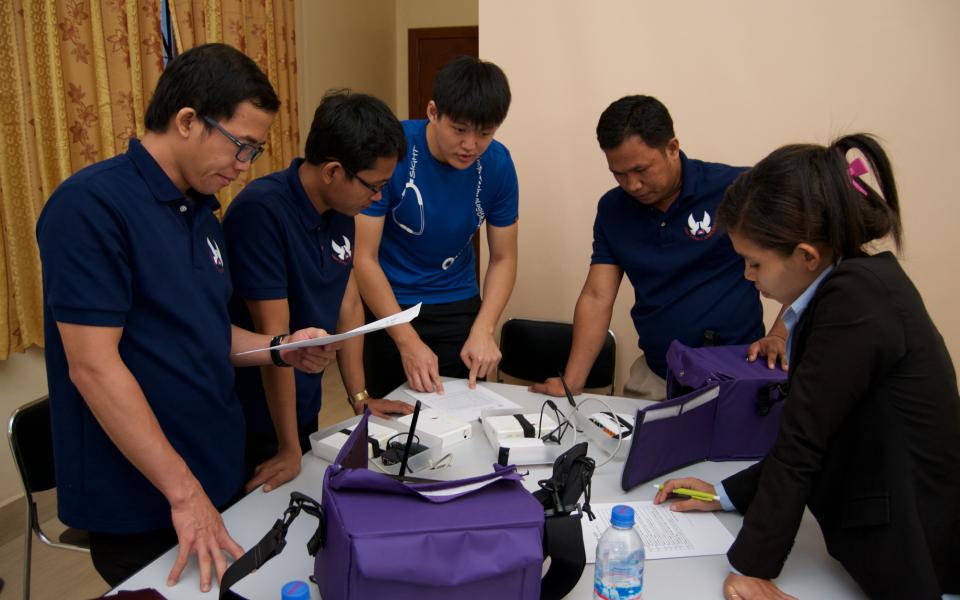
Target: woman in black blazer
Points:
(869, 437)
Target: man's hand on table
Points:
(200, 531)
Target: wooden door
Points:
(430, 49)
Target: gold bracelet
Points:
(353, 399)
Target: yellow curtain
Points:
(265, 31)
(74, 76)
(75, 79)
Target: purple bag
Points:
(482, 537)
(390, 539)
(718, 407)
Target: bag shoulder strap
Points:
(273, 543)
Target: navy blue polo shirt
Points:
(686, 277)
(281, 247)
(122, 247)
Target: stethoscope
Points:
(412, 185)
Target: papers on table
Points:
(665, 533)
(401, 317)
(460, 401)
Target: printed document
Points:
(459, 401)
(665, 533)
(401, 317)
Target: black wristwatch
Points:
(275, 354)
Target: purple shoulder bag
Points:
(381, 537)
(718, 407)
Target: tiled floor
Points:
(65, 575)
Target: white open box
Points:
(417, 462)
(525, 451)
(599, 438)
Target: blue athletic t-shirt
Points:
(431, 210)
(122, 247)
(281, 247)
(686, 277)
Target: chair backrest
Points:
(31, 443)
(535, 350)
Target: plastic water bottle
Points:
(295, 590)
(618, 572)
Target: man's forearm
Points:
(497, 288)
(591, 320)
(280, 389)
(350, 355)
(242, 340)
(377, 293)
(119, 405)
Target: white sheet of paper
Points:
(458, 400)
(665, 534)
(401, 317)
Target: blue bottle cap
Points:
(295, 590)
(621, 516)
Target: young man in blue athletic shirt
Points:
(658, 227)
(290, 239)
(414, 245)
(147, 433)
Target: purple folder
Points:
(718, 407)
(387, 538)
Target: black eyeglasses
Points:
(373, 187)
(245, 152)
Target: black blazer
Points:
(869, 439)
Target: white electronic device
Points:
(449, 430)
(377, 437)
(614, 425)
(507, 436)
(505, 427)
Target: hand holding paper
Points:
(305, 342)
(310, 359)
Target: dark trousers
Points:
(262, 446)
(117, 556)
(442, 327)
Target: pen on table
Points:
(695, 494)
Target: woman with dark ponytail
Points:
(870, 433)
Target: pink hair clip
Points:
(856, 169)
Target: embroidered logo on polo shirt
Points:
(341, 254)
(215, 254)
(699, 230)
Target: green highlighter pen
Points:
(695, 494)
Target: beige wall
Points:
(23, 378)
(414, 14)
(344, 45)
(740, 78)
(362, 45)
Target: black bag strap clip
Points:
(768, 395)
(563, 535)
(274, 541)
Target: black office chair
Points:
(31, 443)
(535, 350)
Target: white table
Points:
(808, 573)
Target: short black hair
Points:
(644, 116)
(212, 79)
(354, 129)
(472, 90)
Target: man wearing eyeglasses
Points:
(147, 432)
(414, 245)
(290, 240)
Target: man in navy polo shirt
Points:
(414, 245)
(658, 228)
(290, 239)
(148, 435)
